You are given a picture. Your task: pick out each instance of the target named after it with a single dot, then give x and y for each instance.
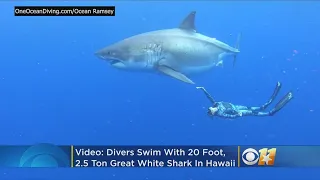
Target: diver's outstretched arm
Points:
(207, 94)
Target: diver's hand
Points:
(240, 114)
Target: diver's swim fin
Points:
(276, 91)
(282, 103)
(273, 96)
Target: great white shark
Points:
(175, 52)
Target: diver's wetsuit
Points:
(229, 110)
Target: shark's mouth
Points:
(114, 61)
(117, 64)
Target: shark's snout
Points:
(111, 60)
(107, 55)
(100, 55)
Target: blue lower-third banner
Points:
(48, 155)
(39, 155)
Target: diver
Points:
(229, 110)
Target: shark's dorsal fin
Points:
(188, 22)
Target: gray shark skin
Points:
(175, 52)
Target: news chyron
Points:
(64, 10)
(155, 156)
(50, 155)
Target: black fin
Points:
(273, 96)
(188, 22)
(282, 103)
(237, 46)
(234, 60)
(276, 91)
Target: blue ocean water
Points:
(54, 90)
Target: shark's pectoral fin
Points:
(175, 74)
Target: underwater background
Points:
(54, 90)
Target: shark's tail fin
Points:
(237, 46)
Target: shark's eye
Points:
(109, 52)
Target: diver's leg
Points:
(261, 113)
(247, 108)
(273, 96)
(253, 113)
(282, 103)
(255, 108)
(239, 107)
(246, 112)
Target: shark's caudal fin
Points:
(188, 22)
(237, 46)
